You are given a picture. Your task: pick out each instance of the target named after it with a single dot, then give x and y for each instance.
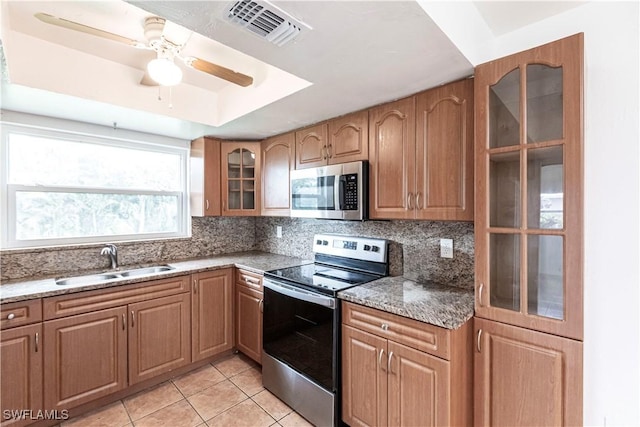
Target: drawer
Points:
(84, 302)
(251, 280)
(20, 313)
(419, 335)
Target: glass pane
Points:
(248, 195)
(248, 172)
(545, 276)
(544, 103)
(35, 160)
(545, 188)
(233, 164)
(504, 189)
(505, 271)
(234, 194)
(504, 111)
(47, 215)
(248, 158)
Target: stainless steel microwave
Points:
(331, 192)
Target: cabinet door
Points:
(526, 378)
(364, 378)
(212, 325)
(249, 321)
(418, 387)
(85, 357)
(444, 152)
(204, 194)
(240, 178)
(349, 138)
(528, 221)
(392, 154)
(21, 369)
(311, 147)
(277, 162)
(159, 336)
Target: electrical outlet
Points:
(279, 231)
(446, 248)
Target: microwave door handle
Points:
(342, 190)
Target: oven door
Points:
(300, 329)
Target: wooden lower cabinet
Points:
(386, 382)
(525, 377)
(159, 336)
(85, 357)
(21, 373)
(248, 308)
(211, 316)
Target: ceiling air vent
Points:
(265, 20)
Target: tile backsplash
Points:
(210, 236)
(414, 250)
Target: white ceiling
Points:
(358, 54)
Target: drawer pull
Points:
(11, 316)
(250, 279)
(479, 341)
(389, 363)
(384, 327)
(380, 359)
(37, 341)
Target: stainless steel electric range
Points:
(301, 322)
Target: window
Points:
(65, 188)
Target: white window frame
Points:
(92, 134)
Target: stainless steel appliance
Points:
(301, 322)
(332, 192)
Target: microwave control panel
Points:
(349, 196)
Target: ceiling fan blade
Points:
(70, 25)
(220, 71)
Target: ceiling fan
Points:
(167, 40)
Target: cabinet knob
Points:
(11, 316)
(384, 327)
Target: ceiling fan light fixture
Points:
(164, 71)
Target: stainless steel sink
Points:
(145, 270)
(84, 280)
(104, 277)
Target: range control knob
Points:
(367, 247)
(318, 242)
(375, 248)
(325, 243)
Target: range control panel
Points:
(362, 248)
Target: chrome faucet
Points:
(112, 251)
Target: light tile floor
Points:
(226, 393)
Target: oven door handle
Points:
(301, 294)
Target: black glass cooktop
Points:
(321, 277)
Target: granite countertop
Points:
(257, 262)
(432, 303)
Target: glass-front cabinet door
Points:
(240, 162)
(528, 221)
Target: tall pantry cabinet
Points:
(528, 235)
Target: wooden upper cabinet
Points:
(529, 187)
(240, 164)
(526, 378)
(444, 152)
(204, 194)
(311, 146)
(392, 146)
(348, 138)
(278, 159)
